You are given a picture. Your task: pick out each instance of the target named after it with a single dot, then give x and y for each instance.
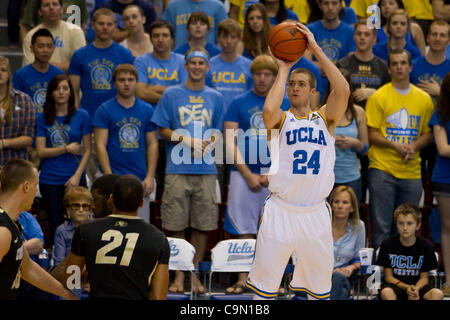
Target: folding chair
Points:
(435, 275)
(182, 259)
(234, 255)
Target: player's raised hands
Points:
(282, 63)
(312, 44)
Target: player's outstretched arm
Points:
(272, 113)
(38, 277)
(337, 101)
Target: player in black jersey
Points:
(125, 257)
(19, 180)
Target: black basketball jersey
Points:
(11, 263)
(121, 253)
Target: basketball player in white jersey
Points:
(296, 217)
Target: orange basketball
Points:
(286, 42)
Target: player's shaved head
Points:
(128, 193)
(14, 173)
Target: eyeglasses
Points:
(77, 206)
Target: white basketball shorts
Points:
(284, 229)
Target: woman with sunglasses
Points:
(78, 202)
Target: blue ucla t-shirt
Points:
(34, 83)
(58, 170)
(247, 109)
(441, 171)
(95, 67)
(197, 114)
(381, 50)
(152, 71)
(383, 37)
(117, 8)
(127, 128)
(423, 70)
(178, 12)
(230, 79)
(336, 43)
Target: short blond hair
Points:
(104, 12)
(77, 193)
(264, 61)
(125, 68)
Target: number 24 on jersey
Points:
(302, 163)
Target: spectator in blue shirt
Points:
(91, 66)
(415, 35)
(178, 11)
(398, 25)
(117, 6)
(33, 237)
(256, 31)
(349, 236)
(161, 68)
(33, 79)
(190, 119)
(440, 179)
(430, 69)
(198, 27)
(78, 202)
(334, 36)
(33, 242)
(63, 142)
(125, 138)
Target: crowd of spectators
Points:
(115, 89)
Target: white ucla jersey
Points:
(302, 157)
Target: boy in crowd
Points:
(198, 28)
(407, 259)
(229, 71)
(33, 79)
